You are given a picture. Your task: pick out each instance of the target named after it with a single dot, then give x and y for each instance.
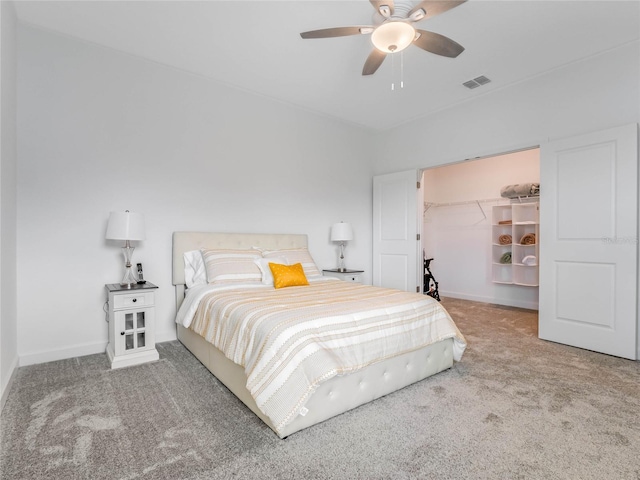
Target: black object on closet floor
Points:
(430, 284)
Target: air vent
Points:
(476, 82)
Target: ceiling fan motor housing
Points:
(398, 10)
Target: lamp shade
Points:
(341, 232)
(125, 226)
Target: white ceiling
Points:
(256, 46)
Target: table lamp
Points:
(341, 232)
(127, 226)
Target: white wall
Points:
(458, 236)
(8, 159)
(101, 131)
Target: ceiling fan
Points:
(393, 30)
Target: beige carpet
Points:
(514, 407)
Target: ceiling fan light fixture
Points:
(393, 36)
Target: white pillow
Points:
(263, 265)
(296, 255)
(195, 272)
(228, 266)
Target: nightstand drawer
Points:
(354, 276)
(138, 299)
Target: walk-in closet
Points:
(484, 246)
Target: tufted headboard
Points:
(187, 241)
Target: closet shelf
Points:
(484, 200)
(465, 202)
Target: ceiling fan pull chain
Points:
(402, 69)
(393, 69)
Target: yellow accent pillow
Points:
(288, 275)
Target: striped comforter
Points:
(292, 339)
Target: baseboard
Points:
(477, 298)
(166, 336)
(79, 351)
(7, 387)
(63, 353)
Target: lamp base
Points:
(129, 279)
(341, 267)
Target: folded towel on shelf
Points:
(504, 222)
(505, 239)
(528, 239)
(520, 190)
(505, 258)
(530, 260)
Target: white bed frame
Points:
(331, 398)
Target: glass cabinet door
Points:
(132, 329)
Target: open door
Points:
(395, 231)
(589, 241)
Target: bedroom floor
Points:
(514, 407)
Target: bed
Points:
(303, 399)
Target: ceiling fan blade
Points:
(438, 44)
(433, 8)
(374, 60)
(379, 3)
(337, 32)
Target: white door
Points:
(589, 235)
(395, 231)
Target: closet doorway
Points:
(588, 295)
(457, 225)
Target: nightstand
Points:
(131, 324)
(348, 275)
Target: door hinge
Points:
(418, 185)
(418, 237)
(418, 289)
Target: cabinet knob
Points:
(134, 300)
(121, 333)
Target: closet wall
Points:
(457, 225)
